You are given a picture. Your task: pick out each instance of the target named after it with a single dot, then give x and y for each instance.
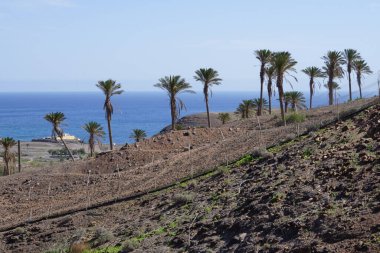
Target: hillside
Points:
(316, 193)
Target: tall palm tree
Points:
(95, 130)
(56, 118)
(283, 64)
(313, 73)
(333, 69)
(138, 134)
(350, 55)
(174, 85)
(208, 77)
(264, 56)
(296, 99)
(270, 74)
(109, 88)
(8, 156)
(256, 104)
(245, 108)
(361, 68)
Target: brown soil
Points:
(248, 204)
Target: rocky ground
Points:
(316, 193)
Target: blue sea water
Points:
(21, 114)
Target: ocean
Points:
(22, 114)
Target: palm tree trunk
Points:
(67, 148)
(360, 85)
(262, 73)
(172, 110)
(205, 91)
(311, 92)
(281, 97)
(330, 85)
(349, 81)
(92, 145)
(270, 95)
(6, 167)
(109, 131)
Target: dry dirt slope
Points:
(317, 193)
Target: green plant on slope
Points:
(295, 118)
(244, 160)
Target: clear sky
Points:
(68, 45)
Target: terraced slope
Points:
(316, 193)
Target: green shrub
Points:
(295, 118)
(244, 160)
(179, 127)
(307, 152)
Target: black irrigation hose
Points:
(344, 116)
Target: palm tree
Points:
(224, 117)
(256, 103)
(283, 64)
(270, 73)
(286, 101)
(245, 108)
(95, 130)
(174, 85)
(138, 134)
(361, 68)
(333, 69)
(109, 88)
(350, 55)
(264, 56)
(8, 156)
(313, 72)
(56, 118)
(296, 99)
(208, 77)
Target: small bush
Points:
(261, 153)
(19, 231)
(102, 236)
(182, 199)
(79, 248)
(130, 245)
(179, 127)
(307, 152)
(295, 118)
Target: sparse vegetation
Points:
(101, 237)
(182, 199)
(244, 160)
(295, 118)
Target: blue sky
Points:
(67, 45)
